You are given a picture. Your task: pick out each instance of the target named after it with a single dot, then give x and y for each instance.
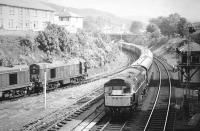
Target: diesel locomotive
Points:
(22, 80)
(127, 89)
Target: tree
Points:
(136, 26)
(171, 25)
(53, 38)
(181, 27)
(152, 28)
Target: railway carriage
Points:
(14, 81)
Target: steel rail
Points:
(170, 92)
(86, 126)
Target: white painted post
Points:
(45, 89)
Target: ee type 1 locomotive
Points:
(22, 80)
(125, 90)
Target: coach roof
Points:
(31, 4)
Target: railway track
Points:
(158, 119)
(54, 120)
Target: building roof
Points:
(192, 47)
(32, 4)
(68, 14)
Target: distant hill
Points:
(106, 19)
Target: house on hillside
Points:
(71, 21)
(24, 15)
(196, 25)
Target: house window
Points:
(20, 11)
(27, 12)
(20, 24)
(13, 79)
(64, 18)
(27, 24)
(35, 24)
(44, 14)
(0, 10)
(53, 73)
(35, 13)
(1, 23)
(12, 11)
(10, 23)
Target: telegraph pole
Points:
(45, 89)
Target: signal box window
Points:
(195, 59)
(184, 59)
(13, 79)
(53, 73)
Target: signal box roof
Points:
(192, 47)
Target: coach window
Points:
(53, 73)
(13, 79)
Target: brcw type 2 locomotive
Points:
(23, 80)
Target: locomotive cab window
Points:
(116, 90)
(126, 89)
(107, 90)
(53, 73)
(13, 79)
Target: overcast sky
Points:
(139, 9)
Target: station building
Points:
(24, 15)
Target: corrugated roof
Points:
(192, 47)
(68, 14)
(33, 4)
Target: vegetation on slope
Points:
(55, 43)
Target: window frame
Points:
(15, 77)
(12, 11)
(1, 10)
(53, 73)
(11, 23)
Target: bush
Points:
(94, 47)
(26, 43)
